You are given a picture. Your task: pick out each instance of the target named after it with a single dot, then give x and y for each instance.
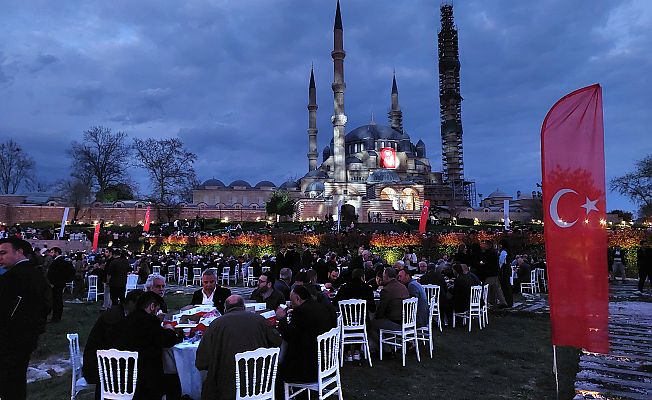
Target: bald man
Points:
(224, 339)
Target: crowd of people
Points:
(312, 282)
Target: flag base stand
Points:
(554, 368)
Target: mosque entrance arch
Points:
(410, 200)
(389, 193)
(348, 213)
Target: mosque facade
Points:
(374, 172)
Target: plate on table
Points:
(181, 326)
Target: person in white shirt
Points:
(211, 292)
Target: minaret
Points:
(450, 100)
(312, 123)
(395, 115)
(338, 119)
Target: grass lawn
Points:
(511, 359)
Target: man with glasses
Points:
(211, 292)
(265, 292)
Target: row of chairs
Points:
(255, 373)
(538, 282)
(94, 292)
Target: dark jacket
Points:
(489, 266)
(391, 301)
(307, 321)
(118, 269)
(61, 272)
(462, 291)
(357, 290)
(142, 332)
(101, 337)
(219, 296)
(25, 302)
(283, 287)
(273, 301)
(224, 338)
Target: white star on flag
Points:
(589, 205)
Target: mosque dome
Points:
(289, 184)
(316, 186)
(383, 176)
(498, 194)
(265, 184)
(316, 173)
(212, 182)
(240, 183)
(374, 132)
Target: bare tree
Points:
(637, 185)
(170, 169)
(16, 167)
(76, 191)
(102, 154)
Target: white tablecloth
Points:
(181, 359)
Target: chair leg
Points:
(366, 348)
(470, 321)
(430, 338)
(286, 388)
(341, 353)
(380, 353)
(416, 346)
(403, 350)
(453, 320)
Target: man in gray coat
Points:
(224, 338)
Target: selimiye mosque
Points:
(375, 171)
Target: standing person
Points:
(505, 272)
(223, 340)
(618, 265)
(25, 302)
(60, 272)
(644, 263)
(117, 271)
(490, 269)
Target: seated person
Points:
(211, 292)
(283, 283)
(389, 314)
(307, 280)
(334, 281)
(416, 290)
(156, 283)
(265, 292)
(102, 335)
(141, 331)
(308, 319)
(461, 290)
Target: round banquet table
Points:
(180, 359)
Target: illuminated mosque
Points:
(374, 171)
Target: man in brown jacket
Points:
(389, 314)
(224, 338)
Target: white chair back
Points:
(75, 364)
(255, 374)
(409, 314)
(156, 269)
(196, 276)
(132, 283)
(265, 269)
(432, 291)
(328, 352)
(474, 300)
(93, 291)
(353, 312)
(118, 373)
(541, 278)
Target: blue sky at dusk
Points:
(230, 78)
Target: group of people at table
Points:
(135, 322)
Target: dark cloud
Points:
(230, 77)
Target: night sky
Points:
(230, 78)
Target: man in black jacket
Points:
(60, 272)
(116, 271)
(490, 270)
(211, 292)
(103, 335)
(25, 302)
(141, 331)
(308, 319)
(357, 289)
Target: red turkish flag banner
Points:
(425, 213)
(146, 226)
(574, 207)
(96, 237)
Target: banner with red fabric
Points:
(425, 213)
(96, 237)
(574, 205)
(146, 225)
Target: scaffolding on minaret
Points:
(450, 107)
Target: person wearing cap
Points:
(224, 339)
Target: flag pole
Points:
(554, 368)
